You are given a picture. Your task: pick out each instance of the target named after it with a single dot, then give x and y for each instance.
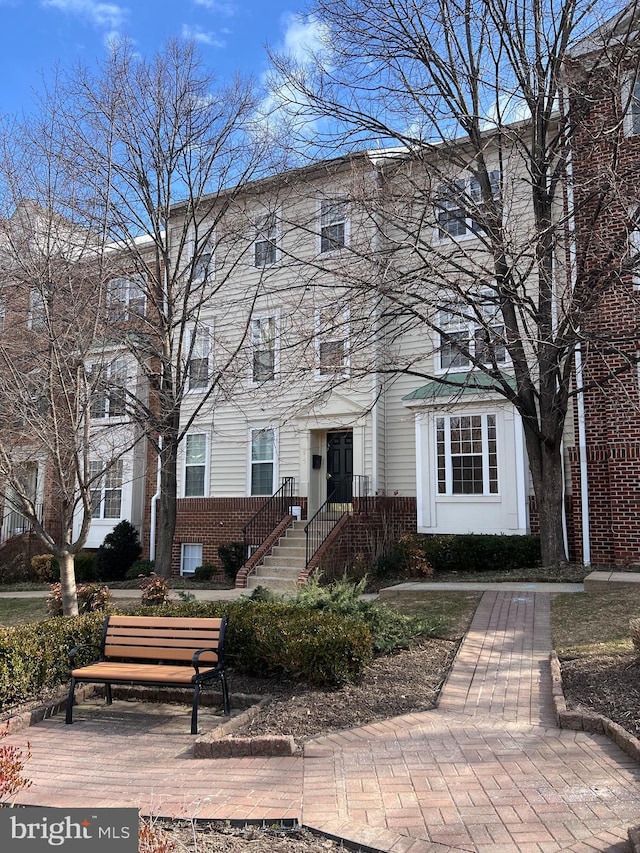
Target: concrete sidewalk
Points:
(487, 771)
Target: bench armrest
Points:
(75, 649)
(196, 658)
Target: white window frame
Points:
(199, 349)
(104, 486)
(37, 311)
(255, 338)
(191, 560)
(267, 235)
(118, 367)
(132, 294)
(186, 464)
(468, 188)
(327, 219)
(332, 336)
(201, 273)
(273, 461)
(468, 328)
(444, 473)
(630, 95)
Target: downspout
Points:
(579, 374)
(154, 504)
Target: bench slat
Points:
(177, 635)
(107, 671)
(151, 622)
(157, 653)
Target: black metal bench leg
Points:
(107, 693)
(194, 710)
(225, 695)
(70, 700)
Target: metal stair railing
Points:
(320, 526)
(266, 519)
(353, 494)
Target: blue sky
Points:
(37, 35)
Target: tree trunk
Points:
(166, 517)
(545, 464)
(68, 584)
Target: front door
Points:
(340, 466)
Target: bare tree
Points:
(51, 317)
(164, 152)
(474, 206)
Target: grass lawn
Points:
(446, 614)
(593, 623)
(16, 611)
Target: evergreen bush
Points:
(233, 556)
(479, 552)
(120, 549)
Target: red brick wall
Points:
(213, 522)
(607, 171)
(393, 516)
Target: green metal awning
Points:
(454, 384)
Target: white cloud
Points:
(303, 37)
(110, 16)
(226, 9)
(201, 36)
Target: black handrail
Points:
(321, 525)
(267, 518)
(362, 497)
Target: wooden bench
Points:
(156, 651)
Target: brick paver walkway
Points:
(487, 771)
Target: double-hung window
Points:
(198, 369)
(471, 335)
(106, 489)
(263, 345)
(195, 465)
(467, 459)
(631, 105)
(37, 310)
(332, 342)
(202, 255)
(265, 245)
(125, 299)
(191, 558)
(263, 448)
(456, 204)
(334, 225)
(108, 398)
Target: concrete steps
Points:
(279, 571)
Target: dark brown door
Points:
(340, 466)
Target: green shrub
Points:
(35, 656)
(479, 552)
(141, 568)
(42, 565)
(120, 549)
(206, 572)
(15, 570)
(276, 639)
(85, 567)
(233, 556)
(323, 649)
(389, 629)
